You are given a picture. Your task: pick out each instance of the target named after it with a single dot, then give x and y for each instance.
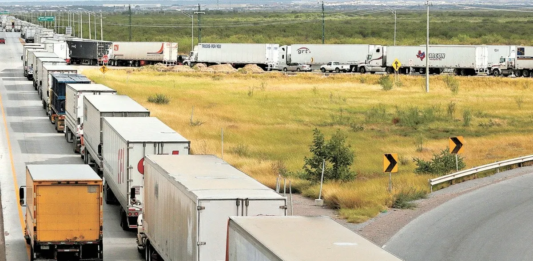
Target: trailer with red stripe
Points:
(142, 53)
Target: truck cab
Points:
(505, 67)
(375, 61)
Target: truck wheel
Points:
(285, 69)
(323, 70)
(525, 73)
(124, 221)
(496, 73)
(32, 254)
(362, 70)
(148, 251)
(297, 69)
(518, 73)
(337, 70)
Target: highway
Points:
(27, 137)
(492, 223)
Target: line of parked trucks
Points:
(184, 207)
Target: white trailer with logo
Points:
(298, 238)
(142, 53)
(48, 70)
(95, 108)
(127, 141)
(38, 72)
(239, 55)
(463, 60)
(74, 109)
(320, 54)
(187, 203)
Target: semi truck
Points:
(24, 57)
(38, 68)
(64, 212)
(44, 89)
(142, 53)
(187, 202)
(239, 55)
(297, 238)
(33, 55)
(88, 52)
(316, 55)
(74, 109)
(464, 60)
(57, 95)
(95, 108)
(519, 64)
(126, 142)
(29, 36)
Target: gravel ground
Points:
(381, 228)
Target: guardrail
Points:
(472, 171)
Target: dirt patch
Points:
(179, 68)
(202, 68)
(223, 68)
(253, 68)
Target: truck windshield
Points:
(502, 60)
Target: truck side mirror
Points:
(21, 195)
(132, 193)
(21, 58)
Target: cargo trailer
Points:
(95, 108)
(64, 212)
(44, 89)
(38, 68)
(187, 203)
(518, 64)
(74, 109)
(127, 141)
(58, 47)
(463, 60)
(239, 55)
(87, 52)
(143, 53)
(297, 238)
(33, 55)
(316, 55)
(24, 57)
(57, 95)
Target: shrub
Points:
(452, 83)
(159, 99)
(240, 149)
(338, 156)
(376, 113)
(403, 199)
(441, 164)
(467, 117)
(386, 83)
(451, 109)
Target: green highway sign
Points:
(4, 12)
(46, 19)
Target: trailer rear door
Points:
(212, 227)
(264, 207)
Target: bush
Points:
(452, 83)
(376, 113)
(386, 83)
(403, 199)
(338, 156)
(442, 163)
(159, 99)
(467, 117)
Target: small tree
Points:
(441, 164)
(338, 156)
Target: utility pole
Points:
(427, 49)
(94, 26)
(394, 12)
(323, 24)
(81, 24)
(101, 27)
(130, 22)
(199, 24)
(89, 13)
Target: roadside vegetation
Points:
(347, 27)
(272, 121)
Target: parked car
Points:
(297, 67)
(2, 41)
(335, 66)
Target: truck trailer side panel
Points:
(213, 53)
(320, 54)
(144, 51)
(48, 71)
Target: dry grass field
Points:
(268, 120)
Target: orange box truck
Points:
(64, 214)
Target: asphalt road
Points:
(490, 223)
(27, 137)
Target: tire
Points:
(285, 69)
(390, 70)
(518, 73)
(298, 69)
(362, 70)
(323, 70)
(32, 254)
(526, 73)
(496, 73)
(147, 251)
(124, 221)
(51, 119)
(337, 70)
(422, 71)
(85, 156)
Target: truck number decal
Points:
(120, 178)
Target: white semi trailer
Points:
(95, 108)
(297, 238)
(143, 53)
(48, 70)
(239, 55)
(24, 57)
(58, 47)
(320, 54)
(126, 142)
(74, 109)
(33, 55)
(29, 35)
(38, 72)
(464, 60)
(187, 203)
(519, 64)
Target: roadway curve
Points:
(490, 223)
(27, 137)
